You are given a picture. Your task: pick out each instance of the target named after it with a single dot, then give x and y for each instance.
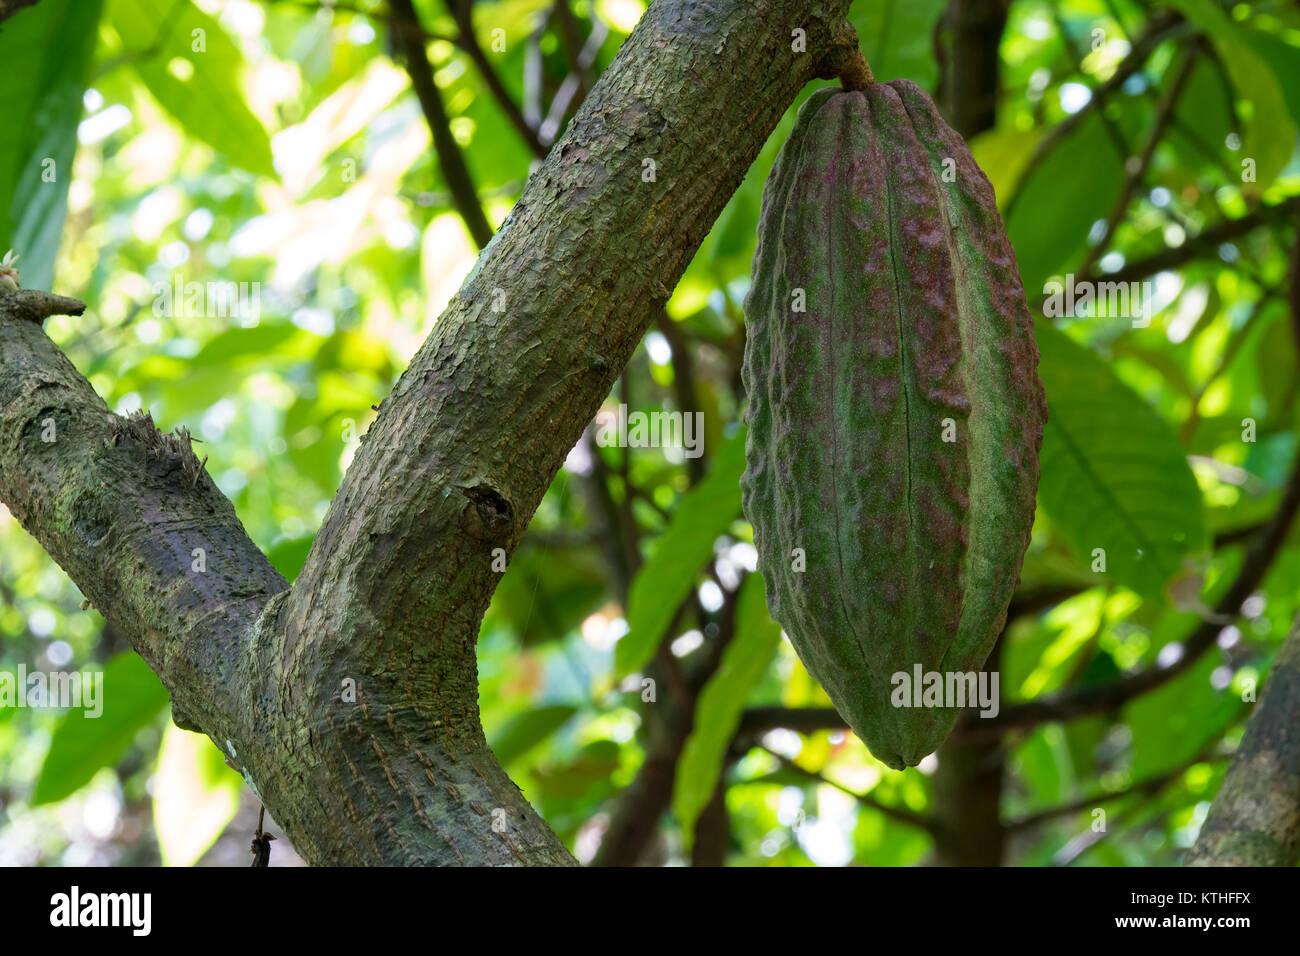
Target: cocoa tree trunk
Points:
(1255, 818)
(349, 702)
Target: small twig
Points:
(468, 42)
(261, 846)
(1203, 244)
(1137, 173)
(1160, 29)
(450, 158)
(1148, 787)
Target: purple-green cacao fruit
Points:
(894, 409)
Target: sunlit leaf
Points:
(525, 731)
(195, 796)
(193, 68)
(1113, 475)
(721, 702)
(131, 697)
(664, 582)
(45, 56)
(1057, 202)
(1270, 131)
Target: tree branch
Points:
(464, 448)
(1255, 819)
(450, 159)
(134, 520)
(1204, 244)
(468, 42)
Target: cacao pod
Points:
(894, 408)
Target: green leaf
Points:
(1113, 475)
(45, 55)
(288, 556)
(704, 513)
(254, 344)
(1004, 154)
(1056, 203)
(897, 38)
(1174, 722)
(1270, 132)
(545, 595)
(589, 771)
(1203, 119)
(523, 732)
(717, 714)
(198, 87)
(1284, 59)
(130, 696)
(195, 796)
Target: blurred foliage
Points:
(289, 155)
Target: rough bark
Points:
(1255, 819)
(458, 459)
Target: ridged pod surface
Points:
(894, 408)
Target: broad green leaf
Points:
(703, 514)
(1003, 154)
(130, 696)
(1270, 131)
(545, 595)
(587, 773)
(45, 55)
(192, 68)
(1042, 764)
(1284, 59)
(523, 732)
(717, 714)
(897, 37)
(1056, 203)
(288, 556)
(195, 796)
(1113, 475)
(1174, 722)
(238, 344)
(1203, 119)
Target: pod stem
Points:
(856, 73)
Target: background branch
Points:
(451, 160)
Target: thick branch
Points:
(1255, 819)
(350, 702)
(133, 519)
